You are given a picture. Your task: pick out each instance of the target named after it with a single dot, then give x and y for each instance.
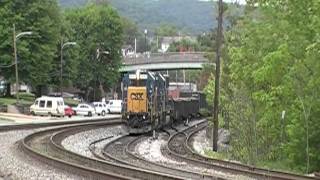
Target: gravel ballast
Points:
(151, 150)
(79, 143)
(16, 165)
(201, 142)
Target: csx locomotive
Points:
(147, 106)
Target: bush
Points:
(27, 96)
(204, 112)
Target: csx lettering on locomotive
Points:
(137, 99)
(136, 96)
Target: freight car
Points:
(146, 105)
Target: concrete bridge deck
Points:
(165, 61)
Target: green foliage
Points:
(184, 45)
(216, 155)
(92, 27)
(70, 102)
(96, 28)
(130, 32)
(37, 52)
(271, 66)
(204, 112)
(11, 101)
(190, 16)
(166, 30)
(149, 14)
(27, 96)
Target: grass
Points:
(11, 101)
(272, 165)
(216, 155)
(279, 165)
(25, 99)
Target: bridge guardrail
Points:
(192, 57)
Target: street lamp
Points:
(15, 39)
(101, 52)
(145, 40)
(61, 60)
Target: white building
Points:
(127, 51)
(167, 41)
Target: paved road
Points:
(8, 119)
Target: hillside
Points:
(188, 15)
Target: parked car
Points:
(52, 106)
(84, 109)
(114, 106)
(68, 111)
(101, 108)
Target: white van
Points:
(48, 106)
(114, 106)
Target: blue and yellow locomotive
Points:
(147, 107)
(145, 100)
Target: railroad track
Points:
(179, 147)
(46, 147)
(122, 150)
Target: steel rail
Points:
(163, 168)
(153, 168)
(124, 170)
(88, 172)
(278, 174)
(221, 165)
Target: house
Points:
(127, 51)
(167, 41)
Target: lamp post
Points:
(61, 60)
(99, 53)
(15, 39)
(145, 40)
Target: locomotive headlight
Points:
(144, 117)
(128, 117)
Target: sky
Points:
(239, 1)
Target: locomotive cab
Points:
(144, 97)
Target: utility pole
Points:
(217, 79)
(16, 62)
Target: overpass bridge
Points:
(165, 61)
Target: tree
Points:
(36, 53)
(184, 45)
(98, 31)
(130, 31)
(273, 66)
(166, 30)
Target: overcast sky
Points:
(239, 1)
